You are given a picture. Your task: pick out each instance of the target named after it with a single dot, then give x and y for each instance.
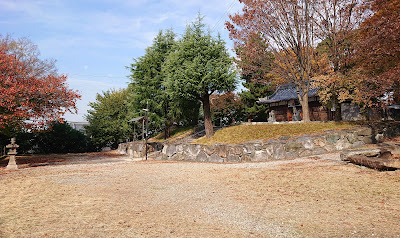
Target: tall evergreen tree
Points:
(199, 66)
(249, 97)
(147, 83)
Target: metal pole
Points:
(147, 124)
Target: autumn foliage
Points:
(378, 52)
(226, 106)
(28, 100)
(358, 54)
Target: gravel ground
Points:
(305, 197)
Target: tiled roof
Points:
(285, 92)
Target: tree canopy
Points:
(108, 119)
(378, 53)
(255, 62)
(288, 27)
(148, 85)
(29, 98)
(199, 66)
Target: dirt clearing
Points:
(297, 198)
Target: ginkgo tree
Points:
(28, 99)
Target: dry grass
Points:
(244, 133)
(309, 198)
(176, 134)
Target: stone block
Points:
(351, 138)
(284, 138)
(269, 150)
(319, 150)
(164, 156)
(236, 150)
(364, 131)
(233, 158)
(358, 144)
(320, 141)
(179, 148)
(193, 149)
(342, 144)
(379, 137)
(279, 152)
(180, 156)
(215, 159)
(221, 150)
(246, 158)
(248, 149)
(209, 150)
(306, 142)
(293, 146)
(367, 140)
(260, 156)
(272, 141)
(332, 139)
(170, 150)
(202, 157)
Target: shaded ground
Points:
(309, 197)
(57, 159)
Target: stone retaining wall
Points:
(136, 149)
(284, 147)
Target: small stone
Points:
(368, 140)
(260, 156)
(364, 131)
(332, 139)
(202, 157)
(170, 150)
(320, 142)
(379, 137)
(293, 146)
(284, 137)
(233, 158)
(215, 159)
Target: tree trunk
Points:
(338, 112)
(305, 107)
(207, 116)
(167, 130)
(168, 123)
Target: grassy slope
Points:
(176, 134)
(244, 133)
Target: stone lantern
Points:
(12, 152)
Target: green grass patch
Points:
(244, 133)
(175, 134)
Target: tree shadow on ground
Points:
(25, 161)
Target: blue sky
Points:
(93, 40)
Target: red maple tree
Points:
(378, 52)
(28, 100)
(227, 105)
